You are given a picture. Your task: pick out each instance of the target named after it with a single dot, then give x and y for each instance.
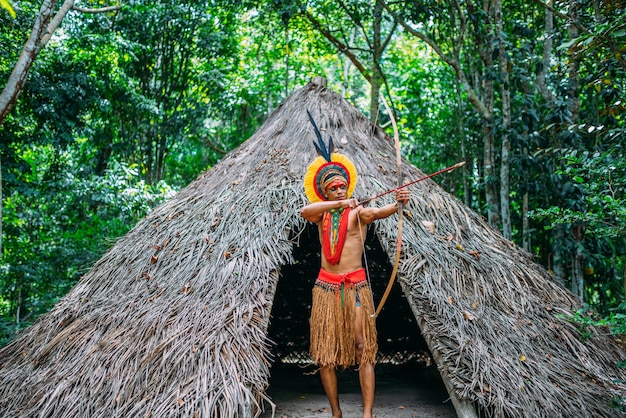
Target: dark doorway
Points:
(399, 338)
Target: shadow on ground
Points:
(401, 392)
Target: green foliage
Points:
(600, 178)
(14, 32)
(429, 129)
(614, 322)
(58, 224)
(597, 218)
(117, 107)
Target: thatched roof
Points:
(172, 320)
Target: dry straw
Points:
(172, 321)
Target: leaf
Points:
(474, 253)
(567, 45)
(589, 40)
(429, 225)
(469, 316)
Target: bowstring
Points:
(358, 216)
(367, 270)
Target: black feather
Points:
(320, 146)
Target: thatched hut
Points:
(173, 320)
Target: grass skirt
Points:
(332, 324)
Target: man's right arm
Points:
(315, 211)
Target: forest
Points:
(109, 108)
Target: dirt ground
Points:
(401, 392)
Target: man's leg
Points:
(329, 381)
(367, 376)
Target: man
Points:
(343, 329)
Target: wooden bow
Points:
(394, 272)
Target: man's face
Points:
(337, 190)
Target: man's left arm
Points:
(369, 215)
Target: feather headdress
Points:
(328, 164)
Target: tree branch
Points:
(602, 38)
(345, 49)
(563, 16)
(99, 10)
(56, 21)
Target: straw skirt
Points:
(333, 318)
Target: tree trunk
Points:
(542, 86)
(377, 75)
(503, 62)
(149, 157)
(346, 70)
(578, 280)
(18, 308)
(573, 65)
(525, 225)
(558, 255)
(574, 107)
(467, 189)
(527, 127)
(485, 42)
(490, 178)
(162, 151)
(624, 273)
(374, 100)
(287, 55)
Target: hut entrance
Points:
(399, 338)
(403, 353)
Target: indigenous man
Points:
(343, 328)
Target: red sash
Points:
(354, 277)
(334, 231)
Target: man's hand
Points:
(402, 196)
(349, 203)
